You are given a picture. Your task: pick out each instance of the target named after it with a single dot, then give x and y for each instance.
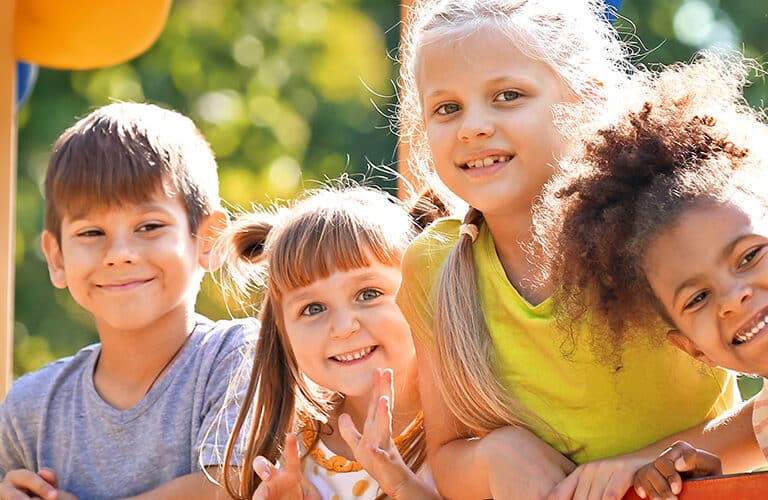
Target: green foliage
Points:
(287, 93)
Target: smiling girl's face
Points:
(488, 112)
(710, 273)
(342, 327)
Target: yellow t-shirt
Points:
(603, 410)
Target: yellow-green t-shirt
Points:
(602, 409)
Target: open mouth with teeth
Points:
(350, 357)
(486, 162)
(748, 334)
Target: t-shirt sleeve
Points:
(421, 267)
(16, 429)
(227, 382)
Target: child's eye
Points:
(447, 108)
(90, 233)
(696, 300)
(507, 95)
(368, 294)
(312, 309)
(150, 226)
(749, 257)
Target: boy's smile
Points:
(130, 267)
(710, 273)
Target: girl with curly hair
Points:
(663, 217)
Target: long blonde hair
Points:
(584, 51)
(272, 251)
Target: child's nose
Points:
(119, 251)
(735, 299)
(344, 325)
(476, 123)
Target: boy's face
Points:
(710, 273)
(131, 267)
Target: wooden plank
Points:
(747, 486)
(7, 189)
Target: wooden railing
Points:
(747, 486)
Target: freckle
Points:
(360, 487)
(315, 470)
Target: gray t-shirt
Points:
(54, 417)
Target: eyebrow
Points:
(144, 208)
(493, 82)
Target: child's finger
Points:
(665, 464)
(659, 485)
(348, 431)
(698, 463)
(37, 486)
(291, 454)
(388, 385)
(375, 393)
(264, 468)
(383, 422)
(49, 475)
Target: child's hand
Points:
(662, 478)
(606, 479)
(287, 482)
(22, 484)
(520, 465)
(374, 449)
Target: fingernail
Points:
(676, 487)
(640, 492)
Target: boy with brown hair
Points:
(132, 208)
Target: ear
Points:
(55, 259)
(208, 232)
(685, 344)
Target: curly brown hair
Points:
(684, 134)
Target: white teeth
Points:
(485, 162)
(742, 337)
(352, 356)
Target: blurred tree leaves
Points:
(287, 93)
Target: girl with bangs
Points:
(334, 353)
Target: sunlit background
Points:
(287, 93)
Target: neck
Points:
(131, 361)
(512, 237)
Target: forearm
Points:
(190, 487)
(730, 437)
(415, 488)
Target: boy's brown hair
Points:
(124, 153)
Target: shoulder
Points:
(222, 347)
(226, 335)
(35, 388)
(430, 249)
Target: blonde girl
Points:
(334, 363)
(482, 82)
(663, 215)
